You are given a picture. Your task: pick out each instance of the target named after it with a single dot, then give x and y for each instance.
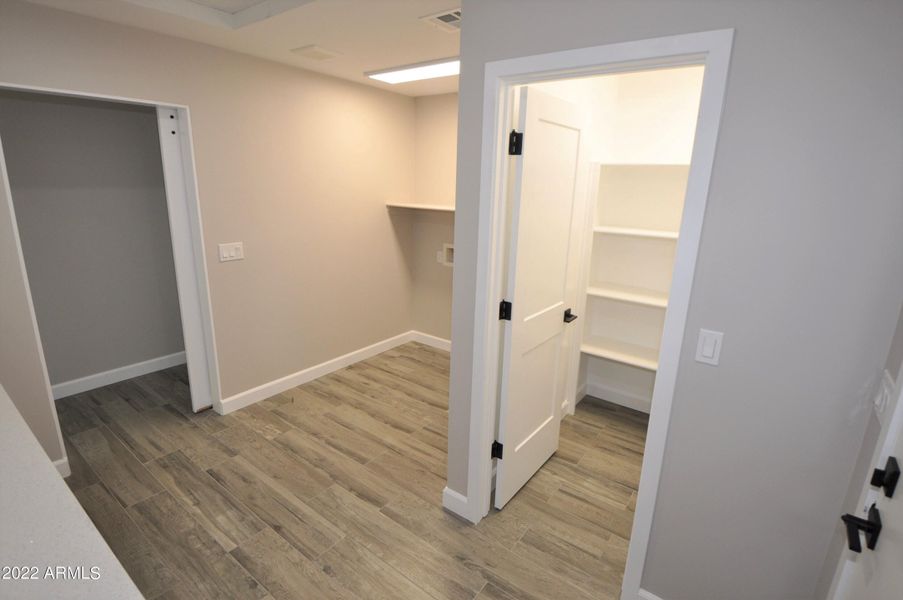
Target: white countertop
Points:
(42, 525)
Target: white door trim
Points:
(711, 48)
(188, 254)
(186, 229)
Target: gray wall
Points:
(87, 185)
(21, 368)
(800, 265)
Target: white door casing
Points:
(186, 230)
(188, 257)
(543, 218)
(709, 48)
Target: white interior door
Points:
(542, 207)
(878, 574)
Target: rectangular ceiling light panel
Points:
(445, 68)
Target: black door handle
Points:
(887, 477)
(569, 317)
(871, 527)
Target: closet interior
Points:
(641, 127)
(635, 231)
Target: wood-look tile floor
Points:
(333, 490)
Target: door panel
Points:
(543, 205)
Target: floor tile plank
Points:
(336, 432)
(115, 465)
(263, 421)
(81, 474)
(437, 572)
(179, 433)
(285, 572)
(285, 470)
(216, 510)
(189, 550)
(131, 427)
(366, 575)
(304, 528)
(342, 470)
(141, 561)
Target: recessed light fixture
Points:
(430, 70)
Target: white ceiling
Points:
(367, 35)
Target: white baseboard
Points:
(647, 595)
(62, 465)
(277, 386)
(616, 396)
(84, 384)
(457, 503)
(431, 340)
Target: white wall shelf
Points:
(638, 210)
(634, 232)
(433, 207)
(626, 293)
(622, 352)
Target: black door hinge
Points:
(497, 450)
(515, 143)
(505, 311)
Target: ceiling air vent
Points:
(447, 20)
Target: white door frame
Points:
(186, 230)
(710, 48)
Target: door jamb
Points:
(710, 48)
(187, 234)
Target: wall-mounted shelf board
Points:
(627, 293)
(435, 207)
(633, 232)
(622, 352)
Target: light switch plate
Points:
(708, 349)
(231, 251)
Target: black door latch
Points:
(887, 477)
(871, 527)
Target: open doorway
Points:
(599, 219)
(595, 209)
(104, 210)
